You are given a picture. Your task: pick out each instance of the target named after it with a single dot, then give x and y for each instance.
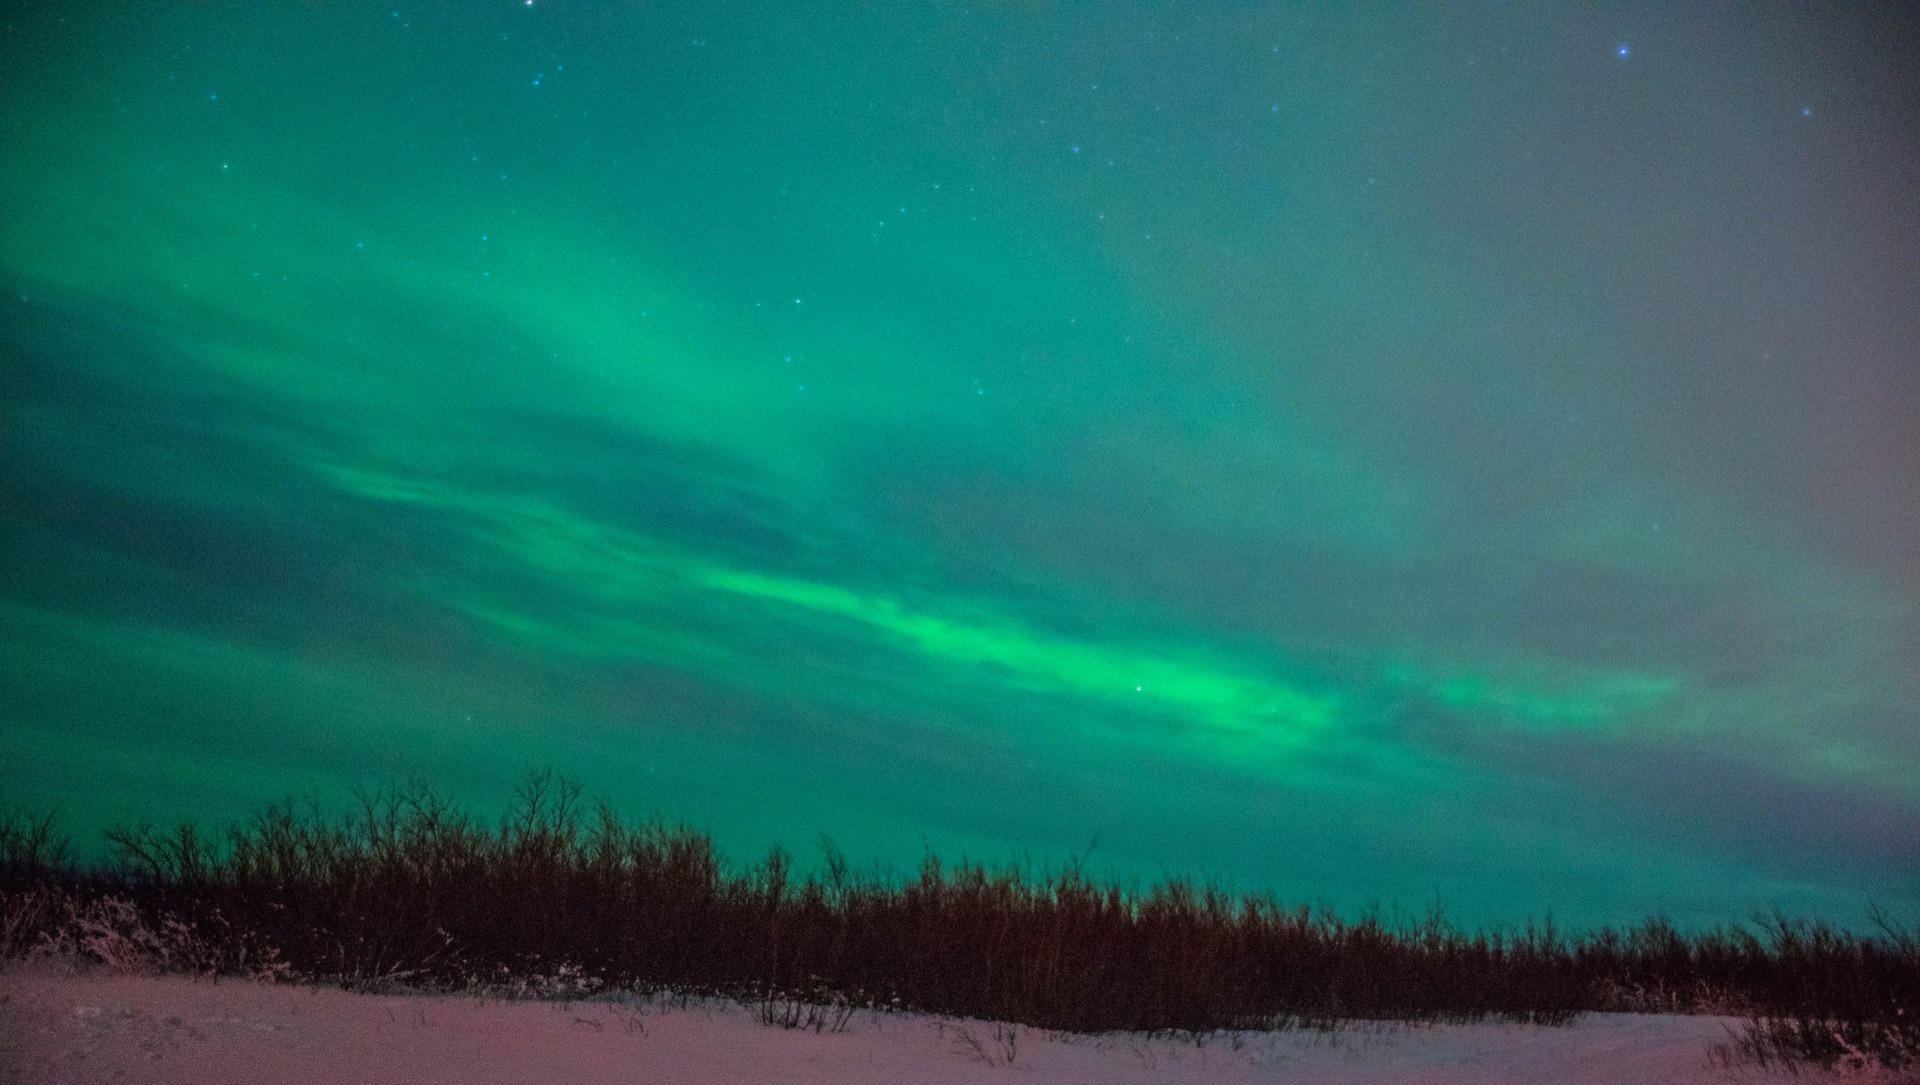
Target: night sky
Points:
(1464, 453)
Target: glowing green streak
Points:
(622, 568)
(1035, 662)
(1227, 705)
(1541, 698)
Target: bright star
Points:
(1622, 51)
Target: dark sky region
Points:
(1448, 450)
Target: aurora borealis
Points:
(1369, 456)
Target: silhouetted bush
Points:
(560, 899)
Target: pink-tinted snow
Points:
(58, 1028)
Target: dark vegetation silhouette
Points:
(563, 899)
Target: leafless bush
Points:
(27, 916)
(1885, 1051)
(562, 900)
(1000, 1049)
(111, 932)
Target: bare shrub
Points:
(999, 1049)
(27, 917)
(1879, 1050)
(111, 932)
(561, 900)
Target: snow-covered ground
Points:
(58, 1027)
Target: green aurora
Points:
(1364, 456)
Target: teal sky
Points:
(1360, 455)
